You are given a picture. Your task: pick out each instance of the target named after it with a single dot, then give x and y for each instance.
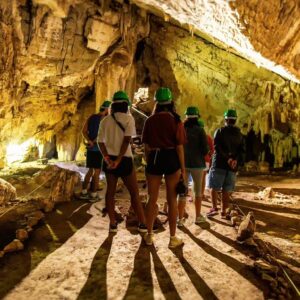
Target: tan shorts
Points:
(197, 181)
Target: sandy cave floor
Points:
(70, 255)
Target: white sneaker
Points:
(93, 197)
(175, 242)
(180, 222)
(200, 220)
(148, 238)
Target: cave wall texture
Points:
(61, 58)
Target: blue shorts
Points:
(219, 179)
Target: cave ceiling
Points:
(61, 58)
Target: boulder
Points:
(7, 192)
(247, 228)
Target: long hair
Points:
(119, 107)
(170, 107)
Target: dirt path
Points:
(72, 256)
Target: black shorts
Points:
(94, 159)
(163, 162)
(124, 168)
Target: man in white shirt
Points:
(115, 133)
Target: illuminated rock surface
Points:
(61, 59)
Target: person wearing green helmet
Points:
(194, 152)
(163, 137)
(208, 157)
(93, 154)
(229, 153)
(115, 133)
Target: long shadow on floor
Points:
(46, 237)
(202, 288)
(95, 286)
(141, 282)
(164, 280)
(141, 279)
(234, 264)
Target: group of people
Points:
(173, 149)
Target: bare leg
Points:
(111, 181)
(95, 181)
(198, 201)
(225, 201)
(153, 182)
(214, 197)
(87, 178)
(182, 200)
(171, 182)
(132, 186)
(203, 183)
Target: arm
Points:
(85, 132)
(146, 152)
(180, 152)
(124, 146)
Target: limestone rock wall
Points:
(213, 79)
(264, 32)
(60, 60)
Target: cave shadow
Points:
(96, 286)
(17, 265)
(200, 285)
(242, 269)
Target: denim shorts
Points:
(220, 179)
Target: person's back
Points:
(229, 153)
(196, 147)
(228, 143)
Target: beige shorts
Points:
(197, 181)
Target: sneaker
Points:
(84, 196)
(148, 238)
(200, 220)
(142, 228)
(175, 242)
(93, 198)
(155, 227)
(180, 222)
(113, 227)
(212, 212)
(225, 216)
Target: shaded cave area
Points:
(61, 60)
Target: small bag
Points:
(181, 188)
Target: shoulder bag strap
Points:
(119, 124)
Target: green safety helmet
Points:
(230, 114)
(192, 112)
(105, 105)
(201, 123)
(163, 95)
(120, 96)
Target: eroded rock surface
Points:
(7, 192)
(61, 59)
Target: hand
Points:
(183, 173)
(232, 163)
(114, 163)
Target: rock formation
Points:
(61, 59)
